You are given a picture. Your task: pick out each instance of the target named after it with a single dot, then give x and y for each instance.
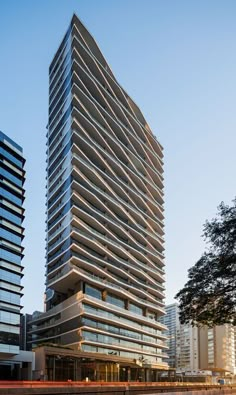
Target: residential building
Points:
(12, 177)
(171, 320)
(187, 358)
(182, 341)
(199, 351)
(105, 264)
(218, 348)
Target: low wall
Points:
(81, 388)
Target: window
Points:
(11, 217)
(115, 300)
(91, 291)
(135, 309)
(5, 234)
(9, 297)
(10, 256)
(10, 318)
(8, 155)
(9, 277)
(10, 196)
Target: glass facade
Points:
(11, 235)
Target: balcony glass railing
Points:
(99, 280)
(121, 165)
(119, 200)
(119, 222)
(144, 130)
(129, 264)
(126, 316)
(153, 185)
(119, 245)
(126, 283)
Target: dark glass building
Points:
(25, 336)
(105, 263)
(12, 177)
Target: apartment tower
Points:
(171, 320)
(182, 342)
(218, 349)
(105, 268)
(12, 177)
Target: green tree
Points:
(209, 296)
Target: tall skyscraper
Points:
(12, 176)
(171, 320)
(105, 268)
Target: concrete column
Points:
(18, 371)
(54, 368)
(112, 372)
(118, 372)
(147, 374)
(128, 374)
(29, 371)
(77, 370)
(104, 295)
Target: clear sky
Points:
(177, 60)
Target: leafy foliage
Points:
(209, 296)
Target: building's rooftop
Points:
(5, 138)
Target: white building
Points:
(182, 341)
(187, 354)
(218, 348)
(194, 350)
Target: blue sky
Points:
(177, 60)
